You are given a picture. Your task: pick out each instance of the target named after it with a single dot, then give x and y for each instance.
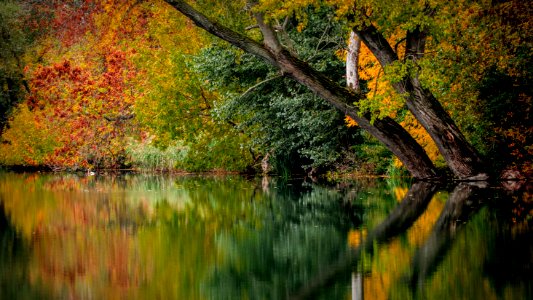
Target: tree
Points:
(79, 109)
(105, 79)
(386, 130)
(291, 127)
(461, 157)
(15, 38)
(176, 108)
(371, 21)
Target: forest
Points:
(262, 149)
(427, 89)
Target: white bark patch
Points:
(352, 59)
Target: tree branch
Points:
(398, 44)
(415, 44)
(251, 27)
(377, 44)
(270, 38)
(202, 93)
(239, 40)
(119, 118)
(352, 62)
(258, 84)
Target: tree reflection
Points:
(398, 221)
(142, 237)
(14, 277)
(464, 201)
(441, 265)
(114, 237)
(303, 229)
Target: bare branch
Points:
(251, 27)
(251, 89)
(206, 102)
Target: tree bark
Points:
(386, 130)
(460, 156)
(352, 62)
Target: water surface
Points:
(127, 236)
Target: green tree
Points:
(176, 107)
(373, 21)
(286, 122)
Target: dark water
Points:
(155, 237)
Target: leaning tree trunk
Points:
(460, 156)
(386, 130)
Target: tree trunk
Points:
(460, 156)
(386, 130)
(352, 62)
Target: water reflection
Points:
(398, 221)
(462, 204)
(463, 275)
(161, 237)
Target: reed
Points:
(147, 157)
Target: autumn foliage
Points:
(92, 111)
(80, 107)
(105, 76)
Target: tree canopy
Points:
(408, 71)
(311, 86)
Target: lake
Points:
(135, 236)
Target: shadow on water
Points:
(509, 257)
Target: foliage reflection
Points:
(190, 237)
